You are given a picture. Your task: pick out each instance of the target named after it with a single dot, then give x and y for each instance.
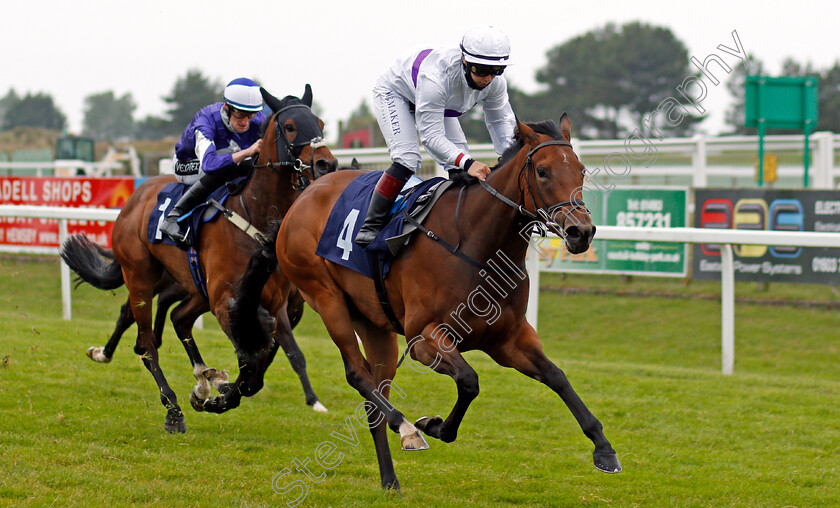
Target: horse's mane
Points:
(547, 127)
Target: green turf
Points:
(77, 433)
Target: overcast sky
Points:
(74, 49)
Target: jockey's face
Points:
(481, 80)
(239, 119)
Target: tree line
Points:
(608, 80)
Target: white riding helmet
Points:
(244, 94)
(486, 45)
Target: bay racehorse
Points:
(449, 304)
(169, 292)
(293, 142)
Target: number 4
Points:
(345, 240)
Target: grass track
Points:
(76, 433)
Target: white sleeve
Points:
(499, 117)
(431, 103)
(201, 145)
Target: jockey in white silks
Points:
(423, 94)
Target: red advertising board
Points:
(69, 192)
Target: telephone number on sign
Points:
(643, 219)
(824, 265)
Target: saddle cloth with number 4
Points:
(348, 215)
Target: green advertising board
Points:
(657, 207)
(781, 103)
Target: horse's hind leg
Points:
(169, 293)
(433, 351)
(124, 321)
(525, 355)
(141, 293)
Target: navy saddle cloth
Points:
(348, 215)
(167, 198)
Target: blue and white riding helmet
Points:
(244, 94)
(486, 45)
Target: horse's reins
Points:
(543, 214)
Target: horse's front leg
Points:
(523, 352)
(285, 339)
(250, 331)
(437, 351)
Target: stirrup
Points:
(173, 230)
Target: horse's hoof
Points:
(175, 424)
(95, 354)
(196, 403)
(430, 425)
(216, 377)
(391, 486)
(607, 462)
(319, 408)
(413, 442)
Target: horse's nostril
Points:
(573, 233)
(325, 166)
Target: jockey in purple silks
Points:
(215, 143)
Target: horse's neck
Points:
(266, 198)
(488, 225)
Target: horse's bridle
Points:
(543, 214)
(290, 154)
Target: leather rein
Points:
(543, 214)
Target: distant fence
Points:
(699, 162)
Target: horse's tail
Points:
(92, 263)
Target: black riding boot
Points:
(387, 189)
(194, 196)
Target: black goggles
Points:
(486, 70)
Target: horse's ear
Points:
(355, 164)
(565, 127)
(272, 101)
(525, 133)
(307, 96)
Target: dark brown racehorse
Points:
(445, 303)
(224, 253)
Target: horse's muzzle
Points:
(578, 238)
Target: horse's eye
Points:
(290, 127)
(541, 171)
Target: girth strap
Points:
(382, 293)
(241, 223)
